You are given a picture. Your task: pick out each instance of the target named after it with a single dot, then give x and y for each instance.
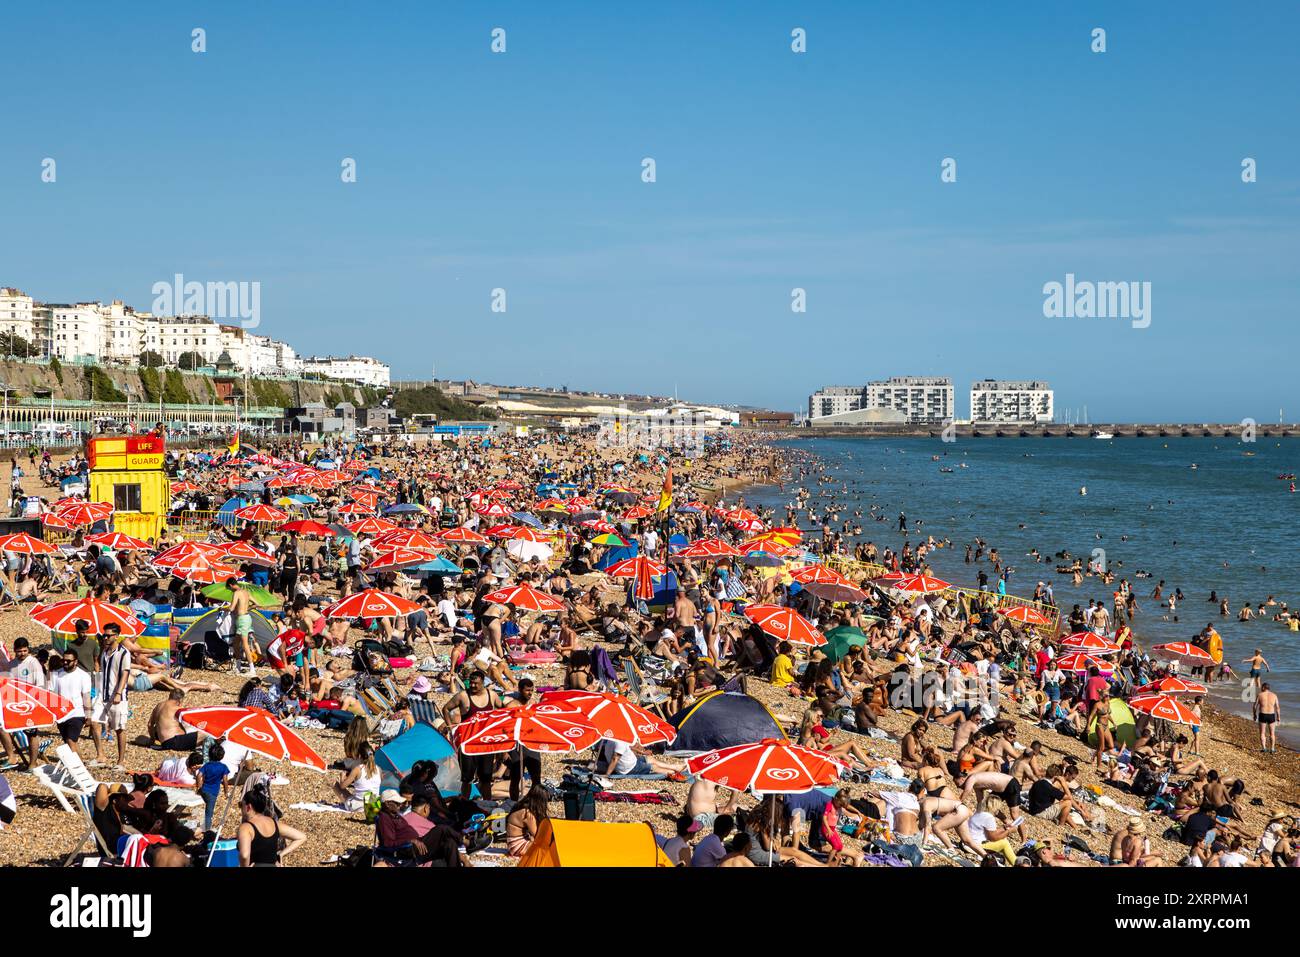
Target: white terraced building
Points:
(1010, 401)
(116, 333)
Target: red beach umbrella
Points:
(84, 513)
(1164, 707)
(785, 623)
(612, 715)
(261, 513)
(463, 536)
(371, 603)
(1185, 652)
(23, 544)
(370, 526)
(1171, 685)
(1026, 615)
(61, 617)
(502, 729)
(712, 548)
(119, 542)
(254, 729)
(1090, 642)
(306, 526)
(770, 766)
(526, 598)
(24, 706)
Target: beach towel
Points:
(635, 797)
(602, 667)
(317, 807)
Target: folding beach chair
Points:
(86, 803)
(651, 695)
(67, 780)
(425, 712)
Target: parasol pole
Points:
(226, 813)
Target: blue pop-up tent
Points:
(419, 743)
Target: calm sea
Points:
(1227, 526)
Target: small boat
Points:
(945, 469)
(1195, 466)
(1103, 435)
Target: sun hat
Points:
(422, 685)
(1136, 825)
(390, 794)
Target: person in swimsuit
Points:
(933, 777)
(473, 768)
(240, 607)
(259, 834)
(524, 820)
(1268, 712)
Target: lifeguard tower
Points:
(128, 474)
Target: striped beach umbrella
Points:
(20, 543)
(371, 603)
(24, 706)
(785, 624)
(1172, 685)
(708, 548)
(524, 597)
(615, 717)
(1165, 707)
(261, 513)
(770, 766)
(1090, 642)
(1026, 615)
(61, 617)
(503, 729)
(1185, 652)
(118, 542)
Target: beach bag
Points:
(372, 806)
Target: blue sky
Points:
(774, 170)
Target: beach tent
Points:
(420, 743)
(218, 622)
(1121, 717)
(226, 513)
(721, 719)
(594, 844)
(615, 555)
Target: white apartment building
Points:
(78, 331)
(16, 309)
(835, 400)
(286, 358)
(360, 369)
(123, 331)
(173, 336)
(254, 354)
(1010, 400)
(919, 398)
(115, 332)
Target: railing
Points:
(192, 523)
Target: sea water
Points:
(1229, 525)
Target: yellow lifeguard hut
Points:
(128, 474)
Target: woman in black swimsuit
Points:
(259, 834)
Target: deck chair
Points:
(67, 780)
(643, 694)
(425, 712)
(86, 803)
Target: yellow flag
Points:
(666, 493)
(233, 448)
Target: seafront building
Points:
(910, 400)
(1010, 401)
(116, 334)
(835, 400)
(920, 398)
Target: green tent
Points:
(840, 640)
(1121, 718)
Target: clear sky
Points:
(775, 170)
